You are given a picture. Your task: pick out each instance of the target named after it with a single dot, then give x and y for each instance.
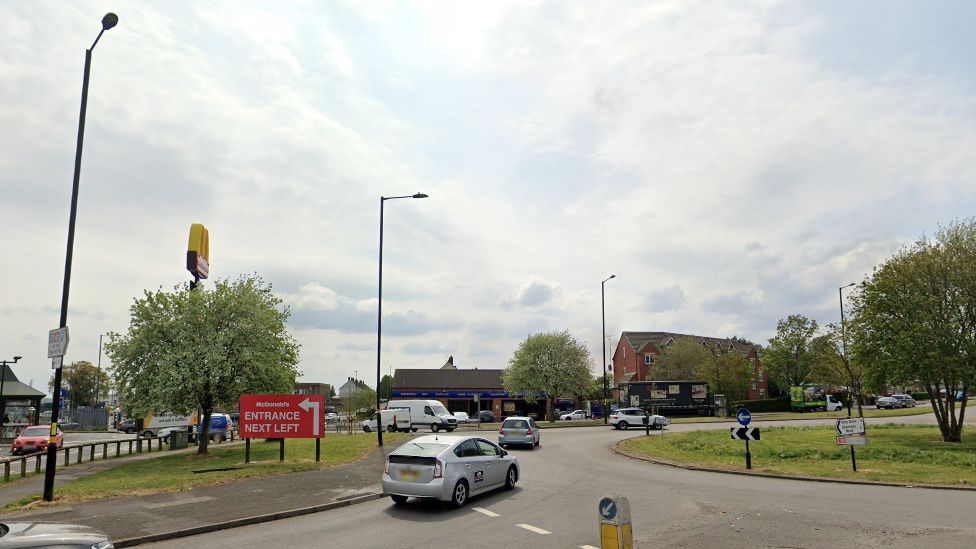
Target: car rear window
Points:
(515, 424)
(421, 449)
(35, 432)
(631, 411)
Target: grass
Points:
(905, 454)
(180, 472)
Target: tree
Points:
(187, 350)
(680, 359)
(386, 387)
(361, 398)
(832, 351)
(915, 321)
(791, 358)
(86, 383)
(549, 365)
(727, 374)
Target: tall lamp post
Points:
(603, 359)
(98, 379)
(109, 21)
(3, 379)
(843, 347)
(379, 315)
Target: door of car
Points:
(472, 465)
(494, 468)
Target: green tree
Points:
(363, 398)
(680, 360)
(832, 350)
(915, 321)
(187, 350)
(549, 365)
(727, 374)
(86, 383)
(791, 357)
(386, 388)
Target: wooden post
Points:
(37, 464)
(66, 457)
(6, 471)
(318, 450)
(118, 448)
(281, 450)
(91, 456)
(105, 451)
(81, 453)
(247, 450)
(23, 467)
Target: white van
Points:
(393, 421)
(833, 404)
(426, 413)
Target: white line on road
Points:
(587, 547)
(485, 512)
(175, 503)
(531, 528)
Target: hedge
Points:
(920, 396)
(764, 405)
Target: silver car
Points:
(448, 468)
(906, 400)
(519, 430)
(41, 534)
(888, 402)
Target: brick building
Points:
(636, 352)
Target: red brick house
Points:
(636, 352)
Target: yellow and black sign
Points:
(198, 251)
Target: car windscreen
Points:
(421, 449)
(35, 432)
(440, 411)
(515, 424)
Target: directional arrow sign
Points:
(743, 416)
(745, 433)
(308, 405)
(850, 426)
(608, 509)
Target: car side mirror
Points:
(504, 453)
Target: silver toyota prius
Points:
(448, 468)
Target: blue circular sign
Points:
(608, 509)
(743, 416)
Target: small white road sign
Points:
(57, 342)
(853, 440)
(850, 426)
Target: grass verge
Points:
(178, 472)
(904, 454)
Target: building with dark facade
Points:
(636, 353)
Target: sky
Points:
(731, 164)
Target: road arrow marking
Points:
(305, 405)
(485, 512)
(531, 528)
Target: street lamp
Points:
(3, 379)
(843, 341)
(98, 379)
(603, 358)
(379, 314)
(109, 21)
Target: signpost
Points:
(851, 432)
(616, 531)
(746, 434)
(57, 342)
(743, 416)
(281, 417)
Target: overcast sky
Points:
(731, 164)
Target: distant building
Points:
(351, 387)
(636, 353)
(314, 389)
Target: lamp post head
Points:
(612, 276)
(109, 21)
(847, 285)
(419, 195)
(16, 358)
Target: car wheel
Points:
(434, 427)
(147, 433)
(390, 429)
(366, 428)
(399, 500)
(460, 495)
(413, 429)
(623, 425)
(510, 478)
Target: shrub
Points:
(764, 405)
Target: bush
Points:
(920, 396)
(765, 405)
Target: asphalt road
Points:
(555, 505)
(72, 439)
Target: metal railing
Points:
(133, 445)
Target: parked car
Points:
(834, 404)
(624, 418)
(575, 414)
(35, 438)
(49, 534)
(888, 402)
(331, 417)
(906, 400)
(127, 426)
(462, 417)
(519, 430)
(397, 419)
(485, 416)
(448, 468)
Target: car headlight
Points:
(103, 545)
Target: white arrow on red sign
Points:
(307, 405)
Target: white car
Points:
(165, 432)
(575, 414)
(625, 418)
(331, 417)
(462, 417)
(448, 468)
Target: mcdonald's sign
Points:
(198, 251)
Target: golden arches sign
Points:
(198, 251)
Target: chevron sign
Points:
(745, 433)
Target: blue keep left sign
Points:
(608, 509)
(743, 416)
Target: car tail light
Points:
(438, 469)
(529, 432)
(387, 468)
(501, 431)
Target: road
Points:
(555, 505)
(72, 439)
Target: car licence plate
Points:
(409, 475)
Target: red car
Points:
(34, 438)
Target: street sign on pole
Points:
(745, 433)
(743, 416)
(282, 416)
(616, 531)
(853, 440)
(57, 342)
(850, 426)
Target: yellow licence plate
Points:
(409, 474)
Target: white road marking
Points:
(175, 503)
(587, 547)
(485, 512)
(531, 528)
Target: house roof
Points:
(417, 378)
(636, 340)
